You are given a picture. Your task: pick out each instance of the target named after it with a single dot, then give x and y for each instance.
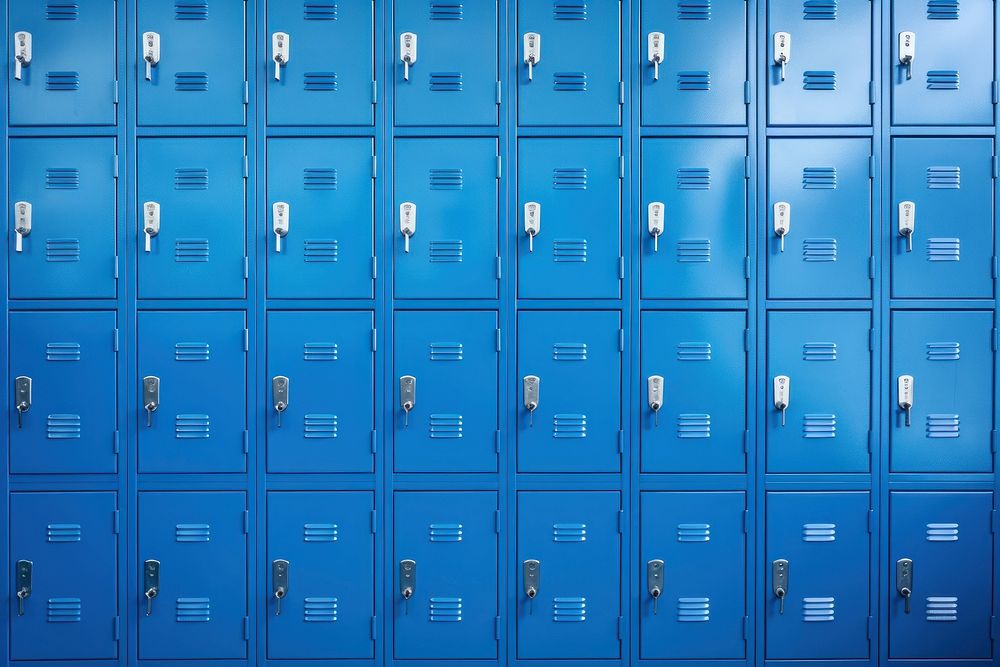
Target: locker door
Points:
(701, 251)
(949, 356)
(949, 183)
(949, 541)
(451, 537)
(453, 185)
(700, 539)
(327, 539)
(576, 426)
(329, 188)
(328, 423)
(71, 249)
(200, 611)
(578, 75)
(825, 539)
(200, 423)
(70, 425)
(953, 40)
(827, 360)
(827, 250)
(452, 426)
(700, 424)
(70, 541)
(200, 78)
(576, 184)
(828, 73)
(575, 539)
(329, 78)
(200, 249)
(60, 86)
(701, 77)
(456, 56)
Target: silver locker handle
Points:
(22, 224)
(408, 52)
(904, 581)
(782, 50)
(407, 396)
(904, 394)
(150, 52)
(22, 583)
(532, 52)
(279, 582)
(150, 397)
(654, 581)
(279, 394)
(150, 583)
(280, 52)
(22, 397)
(779, 582)
(907, 51)
(22, 52)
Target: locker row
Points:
(324, 63)
(318, 392)
(318, 229)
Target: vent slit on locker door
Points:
(193, 610)
(693, 610)
(62, 81)
(819, 250)
(942, 79)
(62, 178)
(569, 10)
(320, 610)
(63, 427)
(191, 179)
(694, 532)
(942, 10)
(942, 609)
(62, 11)
(694, 426)
(320, 351)
(694, 80)
(320, 532)
(694, 351)
(446, 179)
(569, 250)
(64, 610)
(193, 532)
(62, 352)
(192, 352)
(63, 532)
(819, 80)
(819, 10)
(694, 10)
(319, 426)
(944, 249)
(445, 82)
(191, 427)
(569, 178)
(942, 532)
(818, 610)
(319, 82)
(320, 250)
(694, 178)
(191, 10)
(944, 178)
(694, 250)
(446, 351)
(943, 351)
(445, 532)
(819, 352)
(943, 426)
(191, 82)
(191, 250)
(62, 250)
(448, 251)
(447, 610)
(447, 11)
(819, 532)
(569, 352)
(569, 82)
(317, 178)
(569, 532)
(318, 10)
(819, 426)
(445, 426)
(569, 426)
(569, 610)
(819, 178)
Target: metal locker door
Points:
(575, 51)
(196, 73)
(693, 218)
(328, 76)
(569, 219)
(197, 362)
(445, 224)
(192, 192)
(694, 64)
(327, 582)
(322, 419)
(942, 42)
(64, 554)
(821, 364)
(817, 576)
(819, 227)
(941, 544)
(446, 368)
(569, 575)
(64, 420)
(692, 587)
(444, 592)
(60, 85)
(826, 78)
(944, 190)
(327, 187)
(198, 542)
(693, 391)
(569, 419)
(942, 368)
(63, 212)
(454, 77)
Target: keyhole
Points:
(656, 598)
(279, 593)
(781, 600)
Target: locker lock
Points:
(407, 580)
(150, 397)
(279, 393)
(407, 222)
(907, 51)
(150, 222)
(279, 582)
(22, 397)
(407, 396)
(654, 213)
(907, 222)
(654, 396)
(654, 581)
(654, 52)
(280, 218)
(280, 52)
(22, 52)
(782, 392)
(22, 583)
(904, 581)
(779, 582)
(782, 50)
(531, 574)
(150, 52)
(532, 52)
(782, 220)
(22, 224)
(904, 394)
(150, 583)
(408, 52)
(532, 222)
(531, 388)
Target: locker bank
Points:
(499, 333)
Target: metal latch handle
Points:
(779, 582)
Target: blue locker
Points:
(328, 189)
(948, 539)
(571, 188)
(575, 425)
(329, 75)
(700, 605)
(577, 47)
(949, 80)
(574, 538)
(67, 81)
(328, 421)
(70, 424)
(825, 540)
(699, 189)
(328, 606)
(446, 544)
(701, 424)
(826, 357)
(200, 420)
(827, 76)
(701, 76)
(448, 191)
(195, 189)
(200, 76)
(823, 188)
(948, 358)
(63, 256)
(70, 541)
(454, 79)
(948, 185)
(452, 425)
(200, 609)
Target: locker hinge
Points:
(621, 267)
(374, 268)
(114, 170)
(246, 340)
(993, 521)
(621, 624)
(374, 340)
(746, 441)
(374, 443)
(746, 628)
(871, 627)
(116, 442)
(995, 334)
(496, 441)
(116, 628)
(746, 521)
(746, 92)
(871, 92)
(115, 339)
(993, 627)
(621, 441)
(996, 166)
(993, 441)
(621, 92)
(374, 627)
(374, 92)
(871, 521)
(496, 628)
(246, 268)
(116, 267)
(871, 166)
(621, 340)
(996, 93)
(499, 166)
(116, 91)
(746, 267)
(246, 628)
(246, 443)
(746, 166)
(871, 340)
(993, 265)
(115, 525)
(499, 95)
(499, 268)
(374, 526)
(871, 267)
(746, 340)
(621, 521)
(246, 92)
(621, 166)
(246, 522)
(496, 521)
(246, 166)
(498, 340)
(374, 166)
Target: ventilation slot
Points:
(63, 610)
(943, 352)
(569, 250)
(942, 609)
(319, 82)
(944, 178)
(62, 11)
(445, 532)
(690, 426)
(694, 178)
(819, 352)
(569, 82)
(191, 352)
(694, 532)
(819, 250)
(319, 426)
(193, 610)
(445, 426)
(819, 10)
(63, 427)
(447, 351)
(569, 352)
(320, 352)
(694, 10)
(191, 82)
(942, 532)
(319, 179)
(943, 426)
(191, 10)
(700, 80)
(319, 11)
(320, 250)
(817, 610)
(819, 532)
(942, 10)
(190, 179)
(693, 610)
(569, 610)
(694, 250)
(819, 80)
(569, 178)
(446, 251)
(445, 82)
(819, 426)
(942, 79)
(62, 178)
(319, 610)
(694, 351)
(191, 250)
(943, 250)
(63, 532)
(446, 610)
(62, 81)
(446, 11)
(193, 532)
(569, 532)
(819, 178)
(62, 250)
(446, 179)
(564, 10)
(569, 426)
(191, 427)
(62, 352)
(320, 532)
